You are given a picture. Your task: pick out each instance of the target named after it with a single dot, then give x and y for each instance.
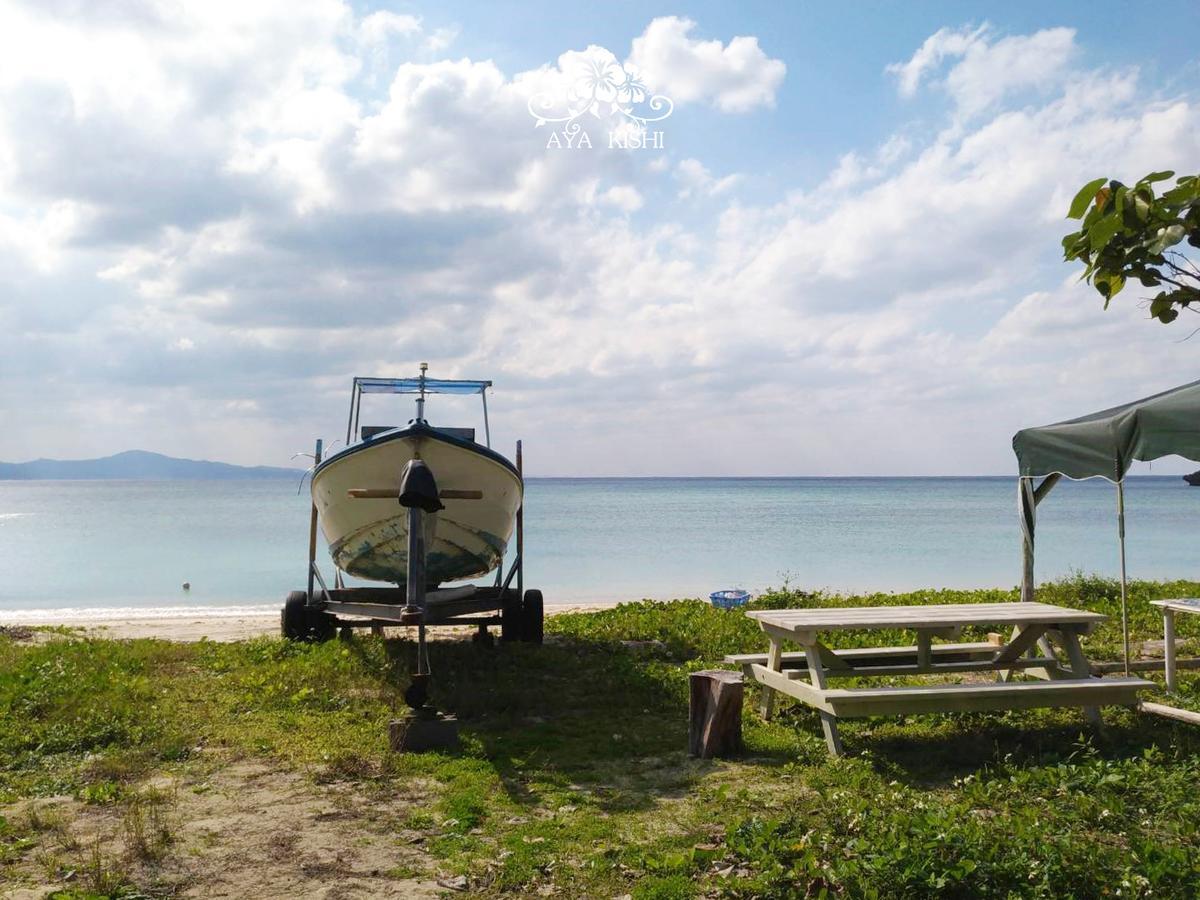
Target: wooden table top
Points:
(1180, 604)
(934, 615)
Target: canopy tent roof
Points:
(1106, 443)
(413, 386)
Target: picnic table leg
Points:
(775, 664)
(1024, 638)
(1169, 648)
(1053, 645)
(924, 651)
(1079, 667)
(816, 674)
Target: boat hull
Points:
(368, 537)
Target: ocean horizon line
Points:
(543, 478)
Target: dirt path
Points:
(246, 830)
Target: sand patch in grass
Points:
(241, 830)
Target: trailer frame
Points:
(517, 612)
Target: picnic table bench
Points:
(1169, 608)
(1036, 628)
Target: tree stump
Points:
(716, 713)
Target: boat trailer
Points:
(320, 612)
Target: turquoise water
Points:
(106, 544)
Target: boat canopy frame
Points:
(1102, 445)
(421, 385)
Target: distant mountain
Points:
(138, 465)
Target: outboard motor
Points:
(418, 488)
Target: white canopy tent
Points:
(1103, 445)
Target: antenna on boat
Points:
(421, 396)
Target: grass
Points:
(572, 776)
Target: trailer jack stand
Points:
(422, 727)
(417, 693)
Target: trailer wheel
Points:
(293, 619)
(299, 622)
(512, 617)
(321, 626)
(534, 615)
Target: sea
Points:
(120, 548)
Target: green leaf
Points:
(1110, 285)
(1084, 198)
(1183, 192)
(1157, 176)
(1161, 307)
(1102, 231)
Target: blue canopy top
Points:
(413, 386)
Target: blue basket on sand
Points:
(729, 599)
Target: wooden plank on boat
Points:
(394, 494)
(385, 595)
(945, 698)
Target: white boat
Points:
(356, 491)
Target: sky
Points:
(839, 254)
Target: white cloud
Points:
(696, 180)
(988, 68)
(942, 43)
(624, 197)
(378, 27)
(272, 210)
(734, 77)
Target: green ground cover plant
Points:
(572, 777)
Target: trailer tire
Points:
(533, 611)
(322, 626)
(293, 619)
(300, 622)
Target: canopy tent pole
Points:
(1124, 589)
(1027, 507)
(1028, 497)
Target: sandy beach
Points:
(197, 625)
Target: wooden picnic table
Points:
(1040, 630)
(1169, 608)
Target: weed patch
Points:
(572, 777)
